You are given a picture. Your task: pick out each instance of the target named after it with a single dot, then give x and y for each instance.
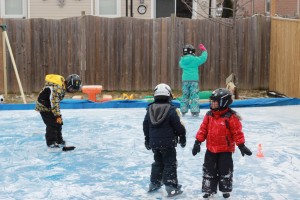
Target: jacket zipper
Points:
(228, 143)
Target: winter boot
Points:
(62, 143)
(54, 148)
(174, 191)
(226, 195)
(154, 187)
(207, 195)
(194, 114)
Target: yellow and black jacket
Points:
(52, 93)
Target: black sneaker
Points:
(226, 195)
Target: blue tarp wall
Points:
(86, 104)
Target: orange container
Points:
(106, 98)
(92, 91)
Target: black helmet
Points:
(73, 83)
(188, 49)
(223, 96)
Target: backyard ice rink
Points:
(111, 162)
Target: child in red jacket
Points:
(222, 130)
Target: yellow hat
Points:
(56, 79)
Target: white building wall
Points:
(58, 9)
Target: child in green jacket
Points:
(189, 63)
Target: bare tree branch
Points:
(202, 4)
(204, 16)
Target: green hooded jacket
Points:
(190, 66)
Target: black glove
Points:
(196, 148)
(182, 141)
(147, 145)
(244, 150)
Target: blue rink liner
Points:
(86, 104)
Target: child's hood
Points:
(186, 60)
(54, 79)
(158, 112)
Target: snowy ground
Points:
(110, 161)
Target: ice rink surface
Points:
(111, 162)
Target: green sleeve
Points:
(202, 58)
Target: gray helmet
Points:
(162, 92)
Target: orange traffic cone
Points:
(259, 152)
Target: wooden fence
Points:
(285, 57)
(132, 54)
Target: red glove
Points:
(202, 47)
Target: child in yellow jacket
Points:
(48, 104)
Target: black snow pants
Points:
(164, 168)
(217, 170)
(53, 129)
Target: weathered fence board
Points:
(285, 57)
(135, 54)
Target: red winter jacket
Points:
(221, 130)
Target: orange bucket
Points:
(92, 91)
